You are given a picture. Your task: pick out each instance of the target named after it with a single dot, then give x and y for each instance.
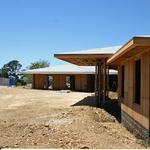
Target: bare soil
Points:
(52, 119)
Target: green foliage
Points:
(22, 79)
(12, 68)
(39, 64)
(28, 78)
(35, 65)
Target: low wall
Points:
(133, 126)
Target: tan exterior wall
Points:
(39, 81)
(82, 82)
(79, 82)
(59, 82)
(139, 113)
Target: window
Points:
(138, 81)
(123, 81)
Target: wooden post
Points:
(100, 84)
(107, 81)
(104, 80)
(96, 80)
(97, 92)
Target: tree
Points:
(12, 68)
(35, 65)
(0, 72)
(39, 64)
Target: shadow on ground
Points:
(87, 101)
(110, 105)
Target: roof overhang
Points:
(83, 59)
(134, 46)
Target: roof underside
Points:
(88, 57)
(83, 59)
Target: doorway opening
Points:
(50, 82)
(91, 83)
(113, 83)
(70, 82)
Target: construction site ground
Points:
(57, 119)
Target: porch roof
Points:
(87, 57)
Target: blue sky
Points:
(36, 29)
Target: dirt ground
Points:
(52, 119)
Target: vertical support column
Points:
(107, 81)
(99, 84)
(104, 80)
(96, 80)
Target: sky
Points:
(36, 29)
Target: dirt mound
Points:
(89, 114)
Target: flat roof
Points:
(65, 69)
(87, 57)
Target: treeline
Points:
(13, 69)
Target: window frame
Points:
(123, 81)
(137, 82)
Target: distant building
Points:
(63, 77)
